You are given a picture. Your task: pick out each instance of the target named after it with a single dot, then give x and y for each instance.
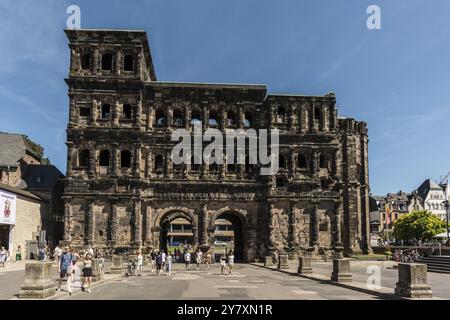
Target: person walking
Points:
(75, 258)
(57, 254)
(2, 257)
(163, 255)
(208, 259)
(223, 264)
(198, 258)
(169, 261)
(19, 253)
(64, 269)
(187, 259)
(159, 262)
(87, 271)
(140, 261)
(230, 261)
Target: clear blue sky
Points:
(396, 79)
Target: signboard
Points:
(7, 207)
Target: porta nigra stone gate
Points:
(122, 186)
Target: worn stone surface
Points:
(412, 281)
(304, 265)
(117, 263)
(38, 280)
(283, 262)
(96, 274)
(268, 261)
(122, 186)
(341, 270)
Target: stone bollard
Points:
(96, 273)
(38, 280)
(283, 261)
(304, 265)
(341, 270)
(268, 261)
(412, 281)
(117, 262)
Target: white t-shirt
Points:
(187, 257)
(139, 260)
(163, 256)
(230, 259)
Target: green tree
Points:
(418, 225)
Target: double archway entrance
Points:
(226, 231)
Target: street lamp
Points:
(446, 204)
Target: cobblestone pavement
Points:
(247, 282)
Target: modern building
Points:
(123, 187)
(30, 196)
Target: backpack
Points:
(159, 259)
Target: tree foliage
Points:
(418, 225)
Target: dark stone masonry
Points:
(122, 188)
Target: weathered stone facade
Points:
(122, 186)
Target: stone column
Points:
(113, 222)
(315, 225)
(272, 240)
(94, 113)
(241, 118)
(137, 230)
(38, 280)
(293, 232)
(204, 234)
(116, 114)
(139, 65)
(92, 161)
(137, 160)
(115, 158)
(169, 117)
(95, 62)
(169, 166)
(293, 164)
(72, 111)
(149, 164)
(67, 217)
(91, 221)
(337, 223)
(148, 224)
(118, 67)
(150, 115)
(70, 156)
(137, 116)
(412, 281)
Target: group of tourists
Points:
(67, 260)
(227, 262)
(406, 256)
(161, 261)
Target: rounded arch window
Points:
(104, 158)
(213, 119)
(178, 120)
(159, 162)
(107, 61)
(302, 162)
(195, 117)
(323, 161)
(86, 61)
(125, 159)
(248, 121)
(160, 118)
(83, 158)
(128, 63)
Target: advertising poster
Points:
(7, 207)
